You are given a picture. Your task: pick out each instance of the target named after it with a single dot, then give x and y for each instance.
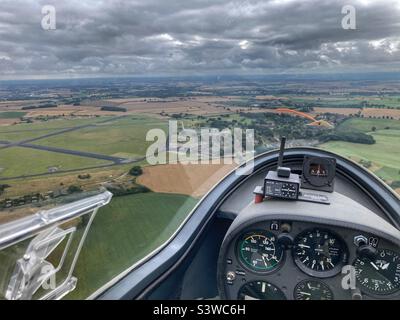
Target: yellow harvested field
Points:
(270, 98)
(7, 122)
(194, 105)
(192, 179)
(367, 112)
(376, 112)
(343, 111)
(154, 106)
(198, 105)
(17, 105)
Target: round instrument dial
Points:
(312, 290)
(260, 290)
(319, 253)
(259, 251)
(319, 173)
(380, 276)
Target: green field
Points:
(17, 135)
(25, 131)
(366, 125)
(392, 102)
(52, 124)
(323, 101)
(125, 231)
(384, 154)
(11, 114)
(19, 161)
(126, 136)
(349, 101)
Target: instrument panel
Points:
(296, 260)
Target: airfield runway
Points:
(27, 144)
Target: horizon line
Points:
(199, 76)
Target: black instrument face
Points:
(318, 173)
(319, 253)
(312, 290)
(260, 290)
(381, 276)
(259, 251)
(318, 170)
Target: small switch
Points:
(274, 226)
(240, 273)
(230, 276)
(360, 240)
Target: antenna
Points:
(281, 152)
(282, 171)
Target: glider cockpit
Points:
(306, 224)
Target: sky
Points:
(196, 37)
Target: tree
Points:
(136, 171)
(395, 184)
(3, 187)
(74, 189)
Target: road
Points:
(98, 156)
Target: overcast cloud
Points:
(190, 37)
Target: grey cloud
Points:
(196, 37)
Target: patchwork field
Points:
(134, 225)
(195, 105)
(198, 105)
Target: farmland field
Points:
(23, 131)
(194, 179)
(19, 161)
(19, 135)
(11, 114)
(125, 231)
(367, 125)
(384, 154)
(133, 225)
(126, 135)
